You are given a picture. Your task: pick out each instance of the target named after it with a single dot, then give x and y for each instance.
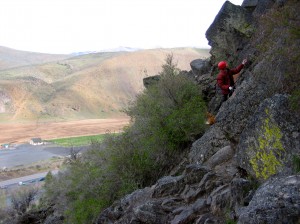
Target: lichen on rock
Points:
(266, 145)
(266, 161)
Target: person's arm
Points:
(239, 68)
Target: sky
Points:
(68, 26)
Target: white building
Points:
(36, 141)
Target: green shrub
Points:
(172, 111)
(22, 199)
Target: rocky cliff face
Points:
(245, 168)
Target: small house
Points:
(36, 141)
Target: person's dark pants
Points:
(224, 98)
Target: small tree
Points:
(22, 199)
(173, 111)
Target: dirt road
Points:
(21, 133)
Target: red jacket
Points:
(225, 79)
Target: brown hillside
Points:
(90, 86)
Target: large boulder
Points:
(270, 140)
(200, 66)
(213, 140)
(229, 33)
(276, 201)
(150, 81)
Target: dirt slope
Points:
(23, 132)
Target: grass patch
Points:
(2, 198)
(78, 141)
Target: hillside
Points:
(95, 85)
(10, 58)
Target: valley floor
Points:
(23, 132)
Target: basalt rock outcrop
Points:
(245, 168)
(270, 140)
(276, 201)
(152, 80)
(229, 32)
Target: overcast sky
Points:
(67, 26)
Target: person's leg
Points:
(224, 98)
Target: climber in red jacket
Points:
(225, 78)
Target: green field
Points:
(78, 141)
(2, 198)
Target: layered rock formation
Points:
(244, 168)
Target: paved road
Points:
(26, 154)
(25, 180)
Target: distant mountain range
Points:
(89, 85)
(118, 49)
